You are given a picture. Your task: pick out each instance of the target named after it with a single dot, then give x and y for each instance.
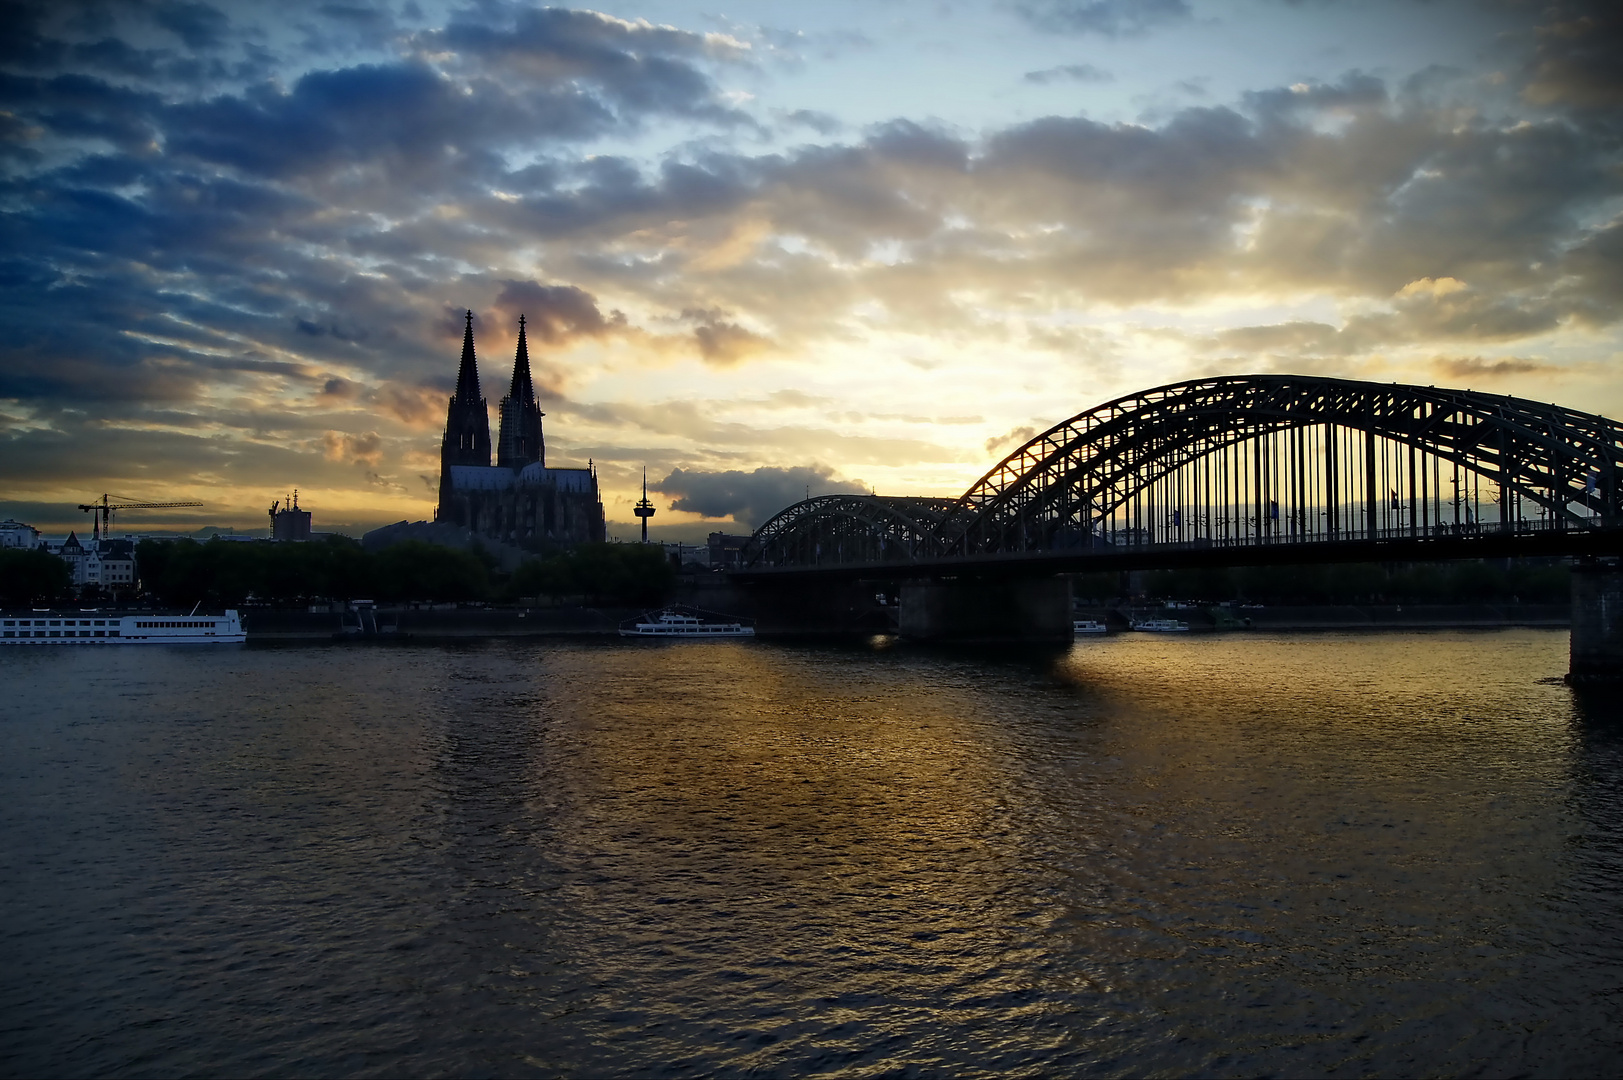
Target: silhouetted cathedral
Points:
(521, 441)
(518, 500)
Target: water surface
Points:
(1343, 854)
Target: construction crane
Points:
(102, 512)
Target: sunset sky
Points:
(767, 248)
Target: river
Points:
(1226, 855)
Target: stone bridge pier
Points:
(1015, 609)
(1597, 621)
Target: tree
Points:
(28, 577)
(599, 573)
(222, 573)
(414, 570)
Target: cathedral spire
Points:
(467, 376)
(520, 441)
(523, 390)
(467, 430)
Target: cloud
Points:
(1424, 312)
(340, 389)
(636, 65)
(364, 449)
(722, 343)
(749, 497)
(1015, 437)
(1083, 73)
(1575, 64)
(198, 26)
(1467, 368)
(1593, 270)
(1432, 287)
(821, 122)
(415, 406)
(556, 314)
(1108, 18)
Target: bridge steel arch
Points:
(1078, 472)
(1325, 451)
(850, 528)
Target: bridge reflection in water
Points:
(1240, 470)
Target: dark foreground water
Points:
(1231, 855)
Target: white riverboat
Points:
(1088, 626)
(672, 623)
(92, 627)
(1161, 626)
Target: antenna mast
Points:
(644, 509)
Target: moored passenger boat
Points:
(1088, 626)
(93, 627)
(1161, 626)
(674, 623)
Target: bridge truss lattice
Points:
(1242, 461)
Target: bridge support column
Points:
(1597, 621)
(1017, 609)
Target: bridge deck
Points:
(1599, 542)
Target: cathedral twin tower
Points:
(467, 423)
(518, 500)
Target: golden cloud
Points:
(364, 449)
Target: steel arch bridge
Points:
(1312, 468)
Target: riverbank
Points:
(270, 624)
(1342, 616)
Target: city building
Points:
(687, 558)
(289, 522)
(72, 552)
(14, 534)
(117, 564)
(102, 562)
(725, 550)
(520, 500)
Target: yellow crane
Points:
(103, 511)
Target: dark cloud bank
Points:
(750, 498)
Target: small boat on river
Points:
(676, 623)
(1161, 626)
(1088, 626)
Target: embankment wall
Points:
(265, 624)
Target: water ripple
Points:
(1336, 854)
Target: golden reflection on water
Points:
(1136, 828)
(781, 772)
(1208, 854)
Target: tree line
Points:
(219, 573)
(30, 576)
